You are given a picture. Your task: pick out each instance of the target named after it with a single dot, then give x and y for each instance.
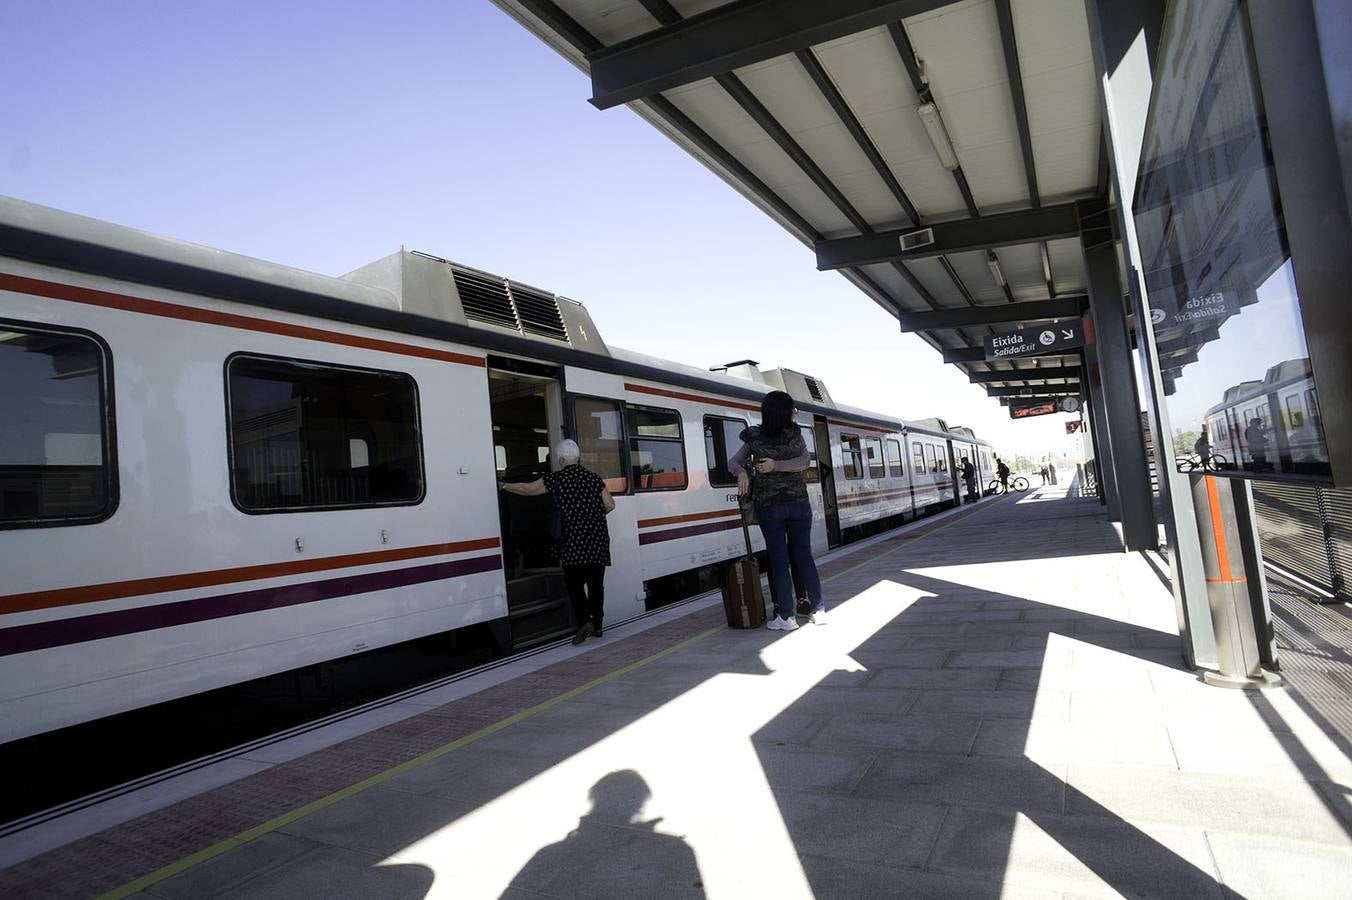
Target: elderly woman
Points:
(779, 455)
(583, 501)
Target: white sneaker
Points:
(778, 624)
(818, 617)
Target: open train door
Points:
(827, 475)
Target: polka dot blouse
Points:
(577, 493)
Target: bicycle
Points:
(1016, 483)
(1217, 463)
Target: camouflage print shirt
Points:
(785, 484)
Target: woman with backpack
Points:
(776, 451)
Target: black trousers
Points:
(586, 586)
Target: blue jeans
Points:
(787, 528)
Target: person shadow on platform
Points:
(613, 852)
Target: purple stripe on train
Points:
(656, 537)
(78, 629)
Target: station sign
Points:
(1036, 341)
(1029, 408)
(1214, 307)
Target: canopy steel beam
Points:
(965, 355)
(1043, 374)
(730, 37)
(1025, 226)
(1011, 50)
(970, 316)
(1050, 390)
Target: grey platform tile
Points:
(806, 768)
(379, 820)
(960, 642)
(1050, 740)
(1002, 659)
(631, 693)
(1019, 680)
(334, 874)
(789, 728)
(600, 860)
(216, 876)
(936, 679)
(547, 743)
(583, 713)
(1075, 853)
(1273, 868)
(900, 628)
(993, 704)
(943, 617)
(853, 701)
(1036, 642)
(1006, 783)
(1254, 805)
(842, 880)
(904, 658)
(933, 734)
(470, 775)
(1253, 747)
(862, 829)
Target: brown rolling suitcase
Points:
(743, 601)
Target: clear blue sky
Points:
(324, 135)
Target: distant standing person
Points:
(779, 494)
(1043, 472)
(1202, 447)
(1256, 437)
(969, 477)
(1003, 471)
(584, 502)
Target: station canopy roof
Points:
(855, 122)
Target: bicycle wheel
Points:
(1020, 484)
(993, 487)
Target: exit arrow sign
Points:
(1036, 341)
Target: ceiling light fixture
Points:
(993, 263)
(938, 135)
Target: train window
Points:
(874, 448)
(1294, 413)
(56, 449)
(656, 451)
(918, 459)
(852, 456)
(810, 474)
(599, 425)
(931, 459)
(894, 459)
(941, 456)
(307, 435)
(722, 440)
(1312, 404)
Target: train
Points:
(215, 469)
(1286, 406)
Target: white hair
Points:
(567, 452)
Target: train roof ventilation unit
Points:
(538, 311)
(813, 389)
(485, 298)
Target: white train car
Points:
(1286, 404)
(215, 469)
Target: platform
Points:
(997, 708)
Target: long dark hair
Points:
(776, 413)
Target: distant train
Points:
(1287, 406)
(214, 469)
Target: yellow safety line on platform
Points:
(351, 790)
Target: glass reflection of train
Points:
(216, 469)
(1273, 425)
